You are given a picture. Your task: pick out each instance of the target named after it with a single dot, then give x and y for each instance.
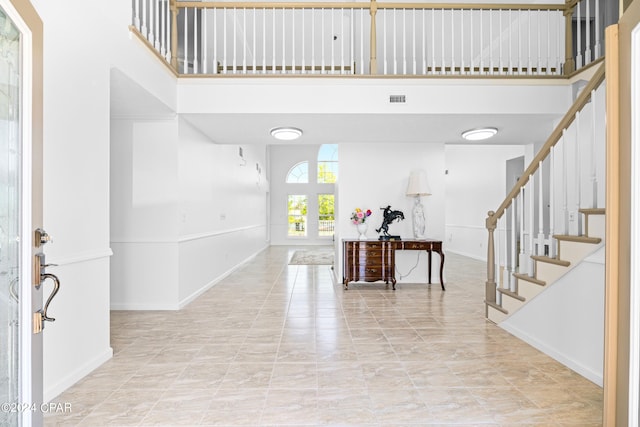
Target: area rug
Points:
(312, 257)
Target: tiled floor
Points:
(275, 344)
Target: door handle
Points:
(56, 288)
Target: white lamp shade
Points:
(418, 185)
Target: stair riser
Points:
(596, 226)
(575, 251)
(495, 316)
(549, 272)
(511, 304)
(528, 290)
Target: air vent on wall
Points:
(397, 98)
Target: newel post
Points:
(174, 34)
(373, 60)
(490, 284)
(569, 62)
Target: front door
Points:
(20, 212)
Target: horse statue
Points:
(389, 216)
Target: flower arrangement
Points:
(359, 216)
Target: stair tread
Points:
(511, 294)
(592, 211)
(555, 261)
(580, 239)
(496, 306)
(529, 279)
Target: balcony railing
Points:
(371, 38)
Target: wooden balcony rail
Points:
(370, 38)
(561, 180)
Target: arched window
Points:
(328, 164)
(299, 174)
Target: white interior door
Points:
(20, 214)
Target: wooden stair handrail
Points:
(569, 117)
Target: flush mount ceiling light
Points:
(286, 133)
(479, 134)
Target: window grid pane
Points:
(297, 215)
(326, 217)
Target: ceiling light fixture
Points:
(286, 133)
(479, 134)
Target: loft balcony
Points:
(361, 39)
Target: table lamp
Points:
(418, 186)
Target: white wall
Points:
(76, 190)
(222, 209)
(185, 212)
(282, 158)
(475, 184)
(373, 176)
(566, 320)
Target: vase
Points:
(362, 229)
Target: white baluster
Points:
(527, 262)
(560, 47)
(404, 41)
(151, 36)
(514, 252)
(395, 43)
(273, 42)
(205, 41)
(215, 41)
(462, 41)
(362, 42)
(481, 45)
(548, 70)
(510, 70)
(565, 185)
(453, 45)
(244, 40)
(594, 177)
(157, 22)
(224, 40)
(195, 40)
(167, 42)
(255, 47)
(163, 51)
(522, 261)
(313, 41)
(136, 14)
(587, 53)
(143, 27)
(491, 41)
(498, 271)
(413, 28)
(578, 38)
(541, 237)
(552, 202)
(284, 41)
(384, 44)
(506, 273)
(322, 69)
(424, 44)
(186, 42)
(443, 69)
(529, 62)
(341, 41)
(264, 41)
(500, 61)
(293, 41)
(520, 66)
(471, 40)
(235, 41)
(433, 41)
(352, 33)
(302, 45)
(597, 46)
(332, 44)
(577, 218)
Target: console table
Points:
(374, 260)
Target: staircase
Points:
(571, 250)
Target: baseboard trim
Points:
(476, 257)
(572, 364)
(75, 376)
(185, 301)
